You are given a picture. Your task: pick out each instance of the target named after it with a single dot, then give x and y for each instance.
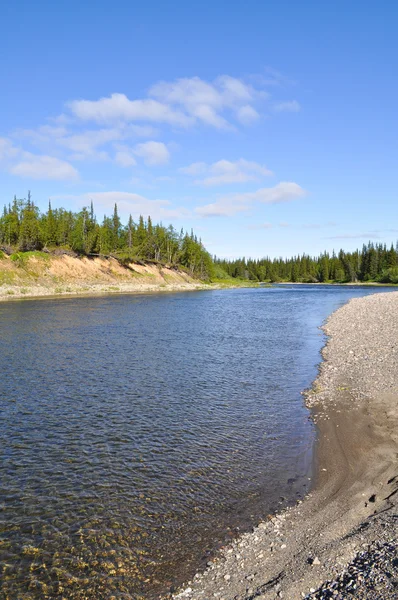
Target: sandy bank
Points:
(41, 275)
(341, 542)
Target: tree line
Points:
(23, 227)
(375, 262)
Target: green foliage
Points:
(7, 277)
(373, 263)
(24, 228)
(22, 258)
(389, 275)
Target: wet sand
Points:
(341, 541)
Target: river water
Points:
(138, 434)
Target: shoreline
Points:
(313, 549)
(74, 290)
(36, 276)
(13, 293)
(92, 291)
(335, 283)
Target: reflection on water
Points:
(138, 433)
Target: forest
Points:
(23, 227)
(375, 262)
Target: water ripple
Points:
(138, 433)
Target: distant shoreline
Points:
(331, 283)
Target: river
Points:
(139, 433)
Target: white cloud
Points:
(290, 106)
(221, 209)
(236, 203)
(25, 164)
(273, 77)
(7, 149)
(282, 192)
(124, 158)
(85, 144)
(225, 172)
(44, 134)
(44, 167)
(247, 115)
(118, 107)
(194, 169)
(204, 101)
(182, 102)
(153, 153)
(117, 123)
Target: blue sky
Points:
(270, 128)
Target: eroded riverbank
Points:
(341, 541)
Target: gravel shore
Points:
(341, 541)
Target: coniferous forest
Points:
(23, 227)
(375, 262)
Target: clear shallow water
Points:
(138, 433)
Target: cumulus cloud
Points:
(182, 102)
(107, 128)
(85, 145)
(221, 209)
(225, 171)
(153, 153)
(194, 169)
(236, 203)
(118, 107)
(247, 115)
(16, 161)
(7, 149)
(204, 101)
(44, 167)
(124, 158)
